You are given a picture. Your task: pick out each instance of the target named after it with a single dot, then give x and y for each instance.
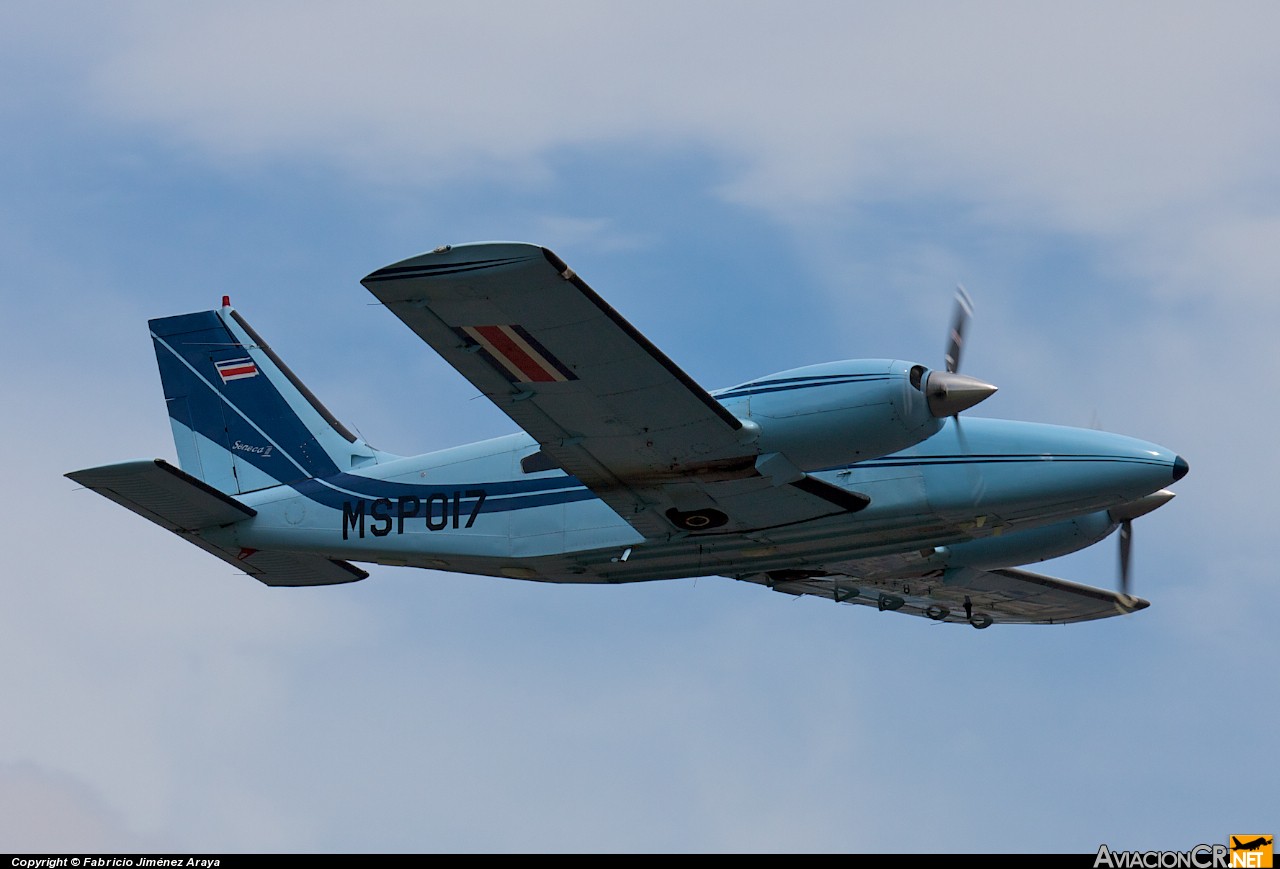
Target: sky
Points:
(755, 186)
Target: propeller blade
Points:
(1126, 546)
(960, 316)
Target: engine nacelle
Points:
(837, 413)
(1031, 544)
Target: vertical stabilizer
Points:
(241, 419)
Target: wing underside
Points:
(978, 597)
(604, 403)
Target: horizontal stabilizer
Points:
(178, 502)
(286, 568)
(171, 498)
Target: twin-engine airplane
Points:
(854, 481)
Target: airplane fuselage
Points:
(471, 509)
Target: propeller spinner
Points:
(950, 392)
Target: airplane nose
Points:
(1180, 468)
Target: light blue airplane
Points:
(854, 481)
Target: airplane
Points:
(1251, 845)
(855, 481)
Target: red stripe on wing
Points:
(529, 367)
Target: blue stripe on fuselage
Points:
(499, 497)
(996, 458)
(786, 384)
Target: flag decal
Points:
(517, 354)
(236, 369)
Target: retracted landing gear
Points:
(981, 621)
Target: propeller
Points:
(1126, 548)
(950, 392)
(1124, 515)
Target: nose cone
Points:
(948, 394)
(1024, 471)
(1180, 468)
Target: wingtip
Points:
(1127, 604)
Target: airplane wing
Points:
(603, 402)
(1004, 596)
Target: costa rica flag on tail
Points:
(236, 369)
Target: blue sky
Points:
(755, 186)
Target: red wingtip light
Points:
(226, 301)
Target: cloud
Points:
(1085, 117)
(1141, 129)
(46, 810)
(598, 233)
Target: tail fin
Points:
(241, 419)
